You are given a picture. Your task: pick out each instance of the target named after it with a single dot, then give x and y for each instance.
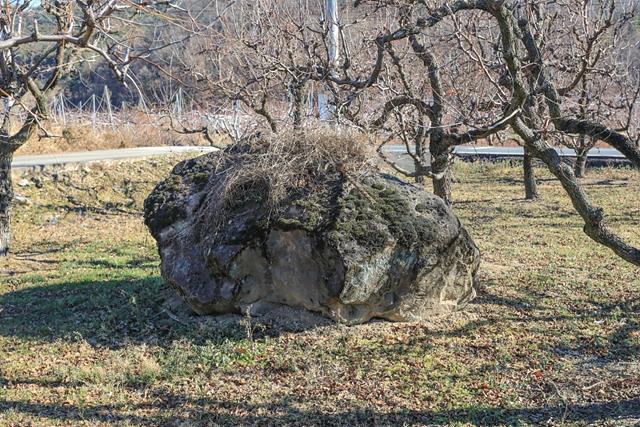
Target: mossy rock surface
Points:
(350, 247)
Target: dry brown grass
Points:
(277, 166)
(87, 340)
(82, 137)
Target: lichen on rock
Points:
(308, 222)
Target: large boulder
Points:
(350, 243)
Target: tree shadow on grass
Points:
(138, 262)
(115, 313)
(616, 346)
(169, 409)
(109, 313)
(620, 344)
(46, 247)
(120, 312)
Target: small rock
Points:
(24, 183)
(38, 182)
(21, 200)
(52, 220)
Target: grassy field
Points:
(87, 336)
(82, 137)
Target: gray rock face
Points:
(351, 250)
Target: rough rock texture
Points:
(350, 249)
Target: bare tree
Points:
(591, 49)
(262, 55)
(438, 90)
(530, 184)
(517, 53)
(40, 41)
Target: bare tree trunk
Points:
(442, 186)
(419, 178)
(298, 92)
(580, 166)
(441, 169)
(6, 196)
(421, 161)
(530, 185)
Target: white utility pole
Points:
(333, 45)
(333, 35)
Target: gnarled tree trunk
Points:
(298, 92)
(6, 197)
(441, 169)
(530, 185)
(580, 166)
(442, 186)
(421, 161)
(419, 178)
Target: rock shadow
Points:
(116, 313)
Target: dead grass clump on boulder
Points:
(272, 168)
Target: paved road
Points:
(597, 156)
(396, 151)
(594, 153)
(469, 150)
(94, 156)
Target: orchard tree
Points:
(257, 56)
(535, 74)
(434, 89)
(40, 41)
